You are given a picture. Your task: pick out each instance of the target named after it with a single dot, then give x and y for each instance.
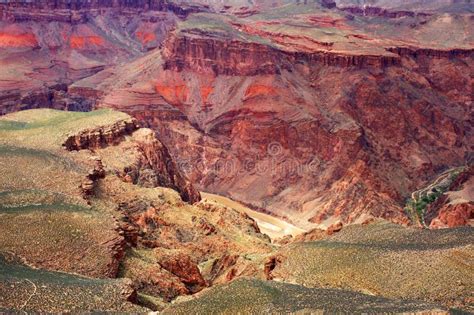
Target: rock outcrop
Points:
(186, 270)
(221, 57)
(456, 206)
(90, 182)
(101, 137)
(79, 11)
(155, 167)
(454, 215)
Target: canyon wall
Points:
(79, 11)
(317, 119)
(222, 57)
(314, 136)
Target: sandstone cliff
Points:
(221, 57)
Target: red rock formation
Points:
(164, 172)
(218, 57)
(445, 213)
(17, 40)
(101, 136)
(270, 265)
(89, 184)
(454, 215)
(183, 267)
(346, 153)
(336, 227)
(221, 57)
(222, 265)
(154, 166)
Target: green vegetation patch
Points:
(251, 296)
(48, 128)
(39, 118)
(35, 290)
(37, 200)
(386, 260)
(217, 26)
(421, 199)
(46, 157)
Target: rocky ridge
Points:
(80, 11)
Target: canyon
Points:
(167, 154)
(329, 116)
(104, 233)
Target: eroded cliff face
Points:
(340, 144)
(155, 167)
(222, 57)
(315, 130)
(79, 11)
(47, 45)
(150, 164)
(100, 137)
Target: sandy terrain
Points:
(272, 226)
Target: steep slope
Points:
(83, 193)
(253, 296)
(305, 111)
(386, 260)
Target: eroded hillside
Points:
(87, 226)
(94, 206)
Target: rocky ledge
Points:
(77, 11)
(210, 55)
(381, 12)
(101, 136)
(153, 166)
